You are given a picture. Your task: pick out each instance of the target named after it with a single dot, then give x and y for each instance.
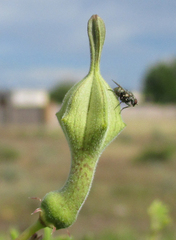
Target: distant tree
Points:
(58, 92)
(160, 83)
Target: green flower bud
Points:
(90, 122)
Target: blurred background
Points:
(44, 50)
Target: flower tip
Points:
(95, 16)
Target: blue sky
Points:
(45, 41)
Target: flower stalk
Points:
(30, 231)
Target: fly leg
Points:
(128, 105)
(117, 105)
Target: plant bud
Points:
(90, 122)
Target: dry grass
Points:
(122, 190)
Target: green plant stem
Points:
(81, 174)
(30, 231)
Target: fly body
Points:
(125, 96)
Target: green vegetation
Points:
(155, 153)
(159, 219)
(58, 92)
(126, 235)
(160, 83)
(158, 150)
(121, 193)
(13, 233)
(8, 153)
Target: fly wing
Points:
(118, 85)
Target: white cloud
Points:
(42, 77)
(53, 33)
(57, 24)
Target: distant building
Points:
(23, 107)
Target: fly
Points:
(125, 96)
